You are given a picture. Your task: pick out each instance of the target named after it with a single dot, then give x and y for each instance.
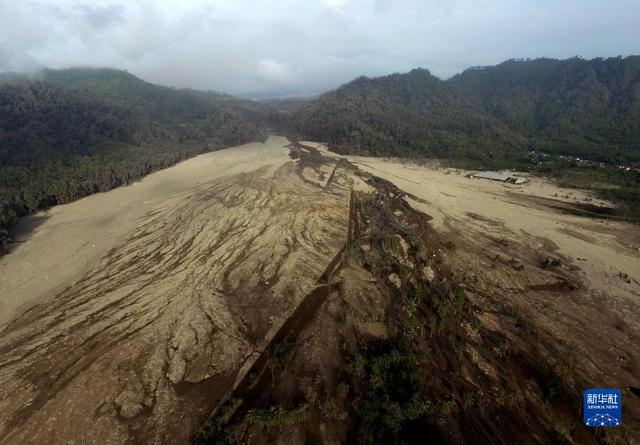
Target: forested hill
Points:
(493, 114)
(79, 131)
(188, 113)
(404, 114)
(587, 108)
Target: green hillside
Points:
(404, 114)
(80, 131)
(588, 108)
(490, 114)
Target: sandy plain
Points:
(128, 314)
(156, 295)
(67, 240)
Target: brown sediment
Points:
(506, 365)
(151, 338)
(261, 288)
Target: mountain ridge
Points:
(79, 131)
(575, 106)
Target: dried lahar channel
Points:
(158, 307)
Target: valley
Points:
(224, 224)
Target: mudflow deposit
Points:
(279, 293)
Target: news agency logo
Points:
(602, 407)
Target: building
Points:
(500, 176)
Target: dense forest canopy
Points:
(588, 108)
(186, 113)
(403, 114)
(79, 131)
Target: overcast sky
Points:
(305, 46)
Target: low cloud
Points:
(292, 47)
(273, 71)
(101, 17)
(336, 6)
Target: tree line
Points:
(77, 132)
(493, 117)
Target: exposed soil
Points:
(57, 247)
(140, 348)
(289, 295)
(505, 363)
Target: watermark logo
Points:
(602, 407)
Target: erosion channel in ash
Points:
(209, 258)
(269, 278)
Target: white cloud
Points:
(336, 6)
(145, 30)
(272, 70)
(290, 46)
